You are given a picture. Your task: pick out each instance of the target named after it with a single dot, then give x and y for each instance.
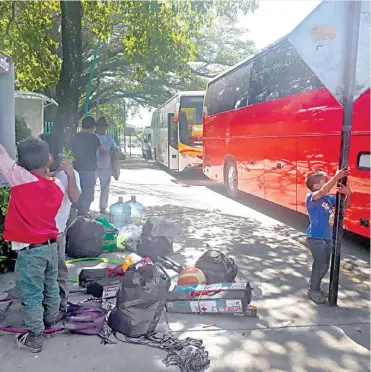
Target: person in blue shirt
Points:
(104, 165)
(321, 212)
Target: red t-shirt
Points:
(33, 206)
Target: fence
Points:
(115, 132)
(48, 126)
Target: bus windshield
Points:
(190, 120)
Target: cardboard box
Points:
(223, 299)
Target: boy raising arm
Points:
(321, 212)
(30, 226)
(62, 170)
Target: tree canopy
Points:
(146, 49)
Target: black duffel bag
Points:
(140, 301)
(84, 238)
(217, 267)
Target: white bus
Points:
(177, 131)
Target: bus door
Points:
(173, 143)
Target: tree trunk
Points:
(67, 90)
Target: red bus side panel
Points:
(276, 144)
(280, 171)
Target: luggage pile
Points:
(141, 284)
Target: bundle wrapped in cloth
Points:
(157, 238)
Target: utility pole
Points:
(349, 73)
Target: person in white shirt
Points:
(61, 221)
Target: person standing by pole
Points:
(104, 166)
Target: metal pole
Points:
(350, 65)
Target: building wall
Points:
(32, 112)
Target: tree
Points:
(216, 49)
(148, 38)
(28, 31)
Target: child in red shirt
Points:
(30, 226)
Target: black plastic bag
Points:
(217, 267)
(153, 247)
(140, 301)
(84, 238)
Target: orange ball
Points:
(191, 275)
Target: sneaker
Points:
(103, 211)
(316, 296)
(31, 342)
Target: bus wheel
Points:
(231, 180)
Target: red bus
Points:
(277, 116)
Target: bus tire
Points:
(231, 179)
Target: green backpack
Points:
(110, 235)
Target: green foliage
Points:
(5, 249)
(29, 34)
(67, 154)
(147, 49)
(22, 131)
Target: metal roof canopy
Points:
(36, 96)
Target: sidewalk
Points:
(291, 333)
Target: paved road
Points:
(291, 333)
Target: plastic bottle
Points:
(120, 213)
(131, 259)
(136, 210)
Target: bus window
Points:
(364, 161)
(216, 100)
(240, 81)
(280, 72)
(190, 120)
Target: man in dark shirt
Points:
(84, 149)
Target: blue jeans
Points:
(37, 286)
(87, 181)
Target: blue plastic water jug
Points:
(136, 210)
(120, 213)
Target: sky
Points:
(271, 21)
